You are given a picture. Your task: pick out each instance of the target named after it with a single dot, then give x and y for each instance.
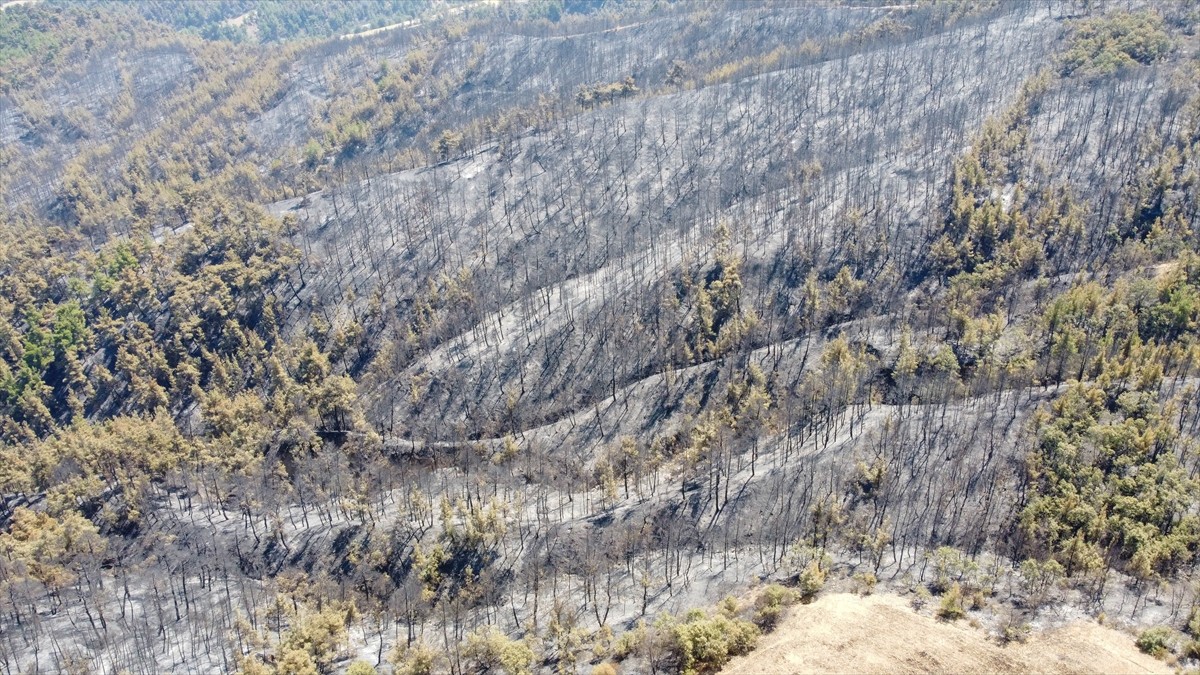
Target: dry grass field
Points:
(845, 633)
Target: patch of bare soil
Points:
(845, 633)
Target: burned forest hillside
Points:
(448, 336)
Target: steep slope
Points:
(492, 341)
(597, 213)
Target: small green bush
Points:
(415, 659)
(728, 606)
(951, 565)
(1191, 650)
(703, 644)
(1155, 641)
(493, 651)
(978, 600)
(630, 642)
(1039, 579)
(361, 667)
(865, 581)
(1015, 630)
(812, 580)
(921, 598)
(604, 669)
(951, 607)
(768, 606)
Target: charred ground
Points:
(475, 342)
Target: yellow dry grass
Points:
(844, 633)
